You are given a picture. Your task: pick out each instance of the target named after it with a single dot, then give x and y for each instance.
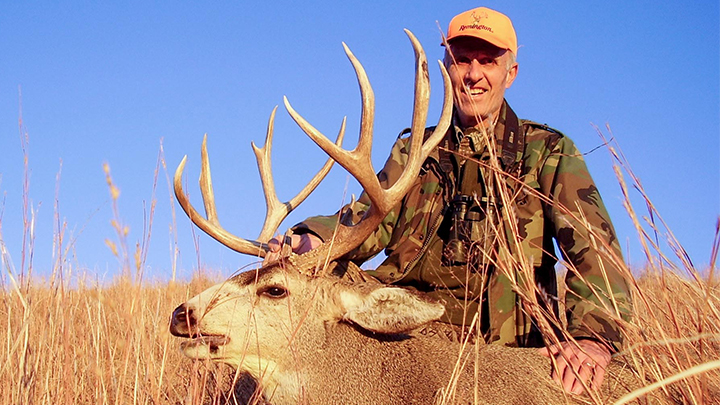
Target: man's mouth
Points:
(472, 92)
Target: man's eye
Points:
(273, 292)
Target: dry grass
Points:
(73, 340)
(110, 344)
(675, 332)
(97, 345)
(677, 328)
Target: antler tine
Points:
(386, 199)
(419, 151)
(277, 211)
(211, 225)
(420, 112)
(358, 161)
(206, 188)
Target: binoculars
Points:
(466, 218)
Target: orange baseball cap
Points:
(486, 24)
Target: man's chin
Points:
(469, 115)
(468, 121)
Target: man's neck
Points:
(487, 125)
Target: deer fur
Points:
(323, 340)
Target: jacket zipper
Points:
(433, 229)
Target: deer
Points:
(314, 329)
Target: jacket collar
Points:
(509, 136)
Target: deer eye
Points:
(273, 291)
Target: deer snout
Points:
(183, 322)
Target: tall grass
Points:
(73, 339)
(676, 328)
(94, 344)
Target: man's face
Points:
(480, 73)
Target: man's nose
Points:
(475, 71)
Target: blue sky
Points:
(104, 82)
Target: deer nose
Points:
(182, 322)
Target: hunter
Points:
(489, 202)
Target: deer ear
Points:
(388, 309)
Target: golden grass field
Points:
(76, 342)
(110, 344)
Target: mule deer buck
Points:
(307, 336)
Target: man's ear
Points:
(388, 309)
(511, 75)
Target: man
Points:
(484, 212)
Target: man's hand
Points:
(587, 357)
(299, 243)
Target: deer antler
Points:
(276, 211)
(358, 161)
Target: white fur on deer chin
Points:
(281, 386)
(261, 369)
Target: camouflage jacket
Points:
(552, 196)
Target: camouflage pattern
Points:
(543, 192)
